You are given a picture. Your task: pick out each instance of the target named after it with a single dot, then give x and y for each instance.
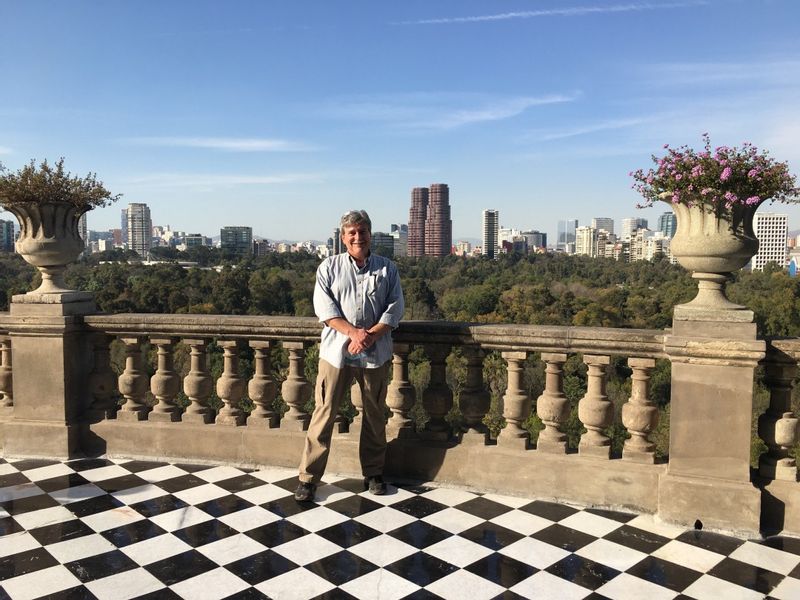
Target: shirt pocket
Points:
(376, 286)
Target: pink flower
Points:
(752, 200)
(726, 173)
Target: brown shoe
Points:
(375, 485)
(305, 492)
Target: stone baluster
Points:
(595, 410)
(778, 425)
(102, 380)
(262, 389)
(132, 383)
(552, 407)
(6, 378)
(437, 397)
(400, 396)
(354, 429)
(230, 386)
(197, 384)
(516, 404)
(165, 382)
(296, 389)
(639, 414)
(474, 398)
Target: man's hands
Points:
(360, 339)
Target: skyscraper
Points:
(668, 224)
(631, 225)
(491, 225)
(771, 229)
(565, 241)
(83, 229)
(438, 225)
(586, 241)
(416, 221)
(606, 223)
(237, 238)
(6, 236)
(399, 233)
(140, 228)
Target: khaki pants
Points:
(331, 386)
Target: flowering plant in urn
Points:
(48, 201)
(714, 194)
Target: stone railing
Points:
(85, 406)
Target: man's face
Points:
(357, 239)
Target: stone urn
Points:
(48, 240)
(713, 242)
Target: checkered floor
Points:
(97, 528)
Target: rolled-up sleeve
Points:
(395, 304)
(325, 306)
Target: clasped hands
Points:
(360, 340)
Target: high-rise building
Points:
(565, 241)
(6, 236)
(416, 221)
(771, 229)
(383, 243)
(631, 225)
(237, 238)
(140, 228)
(83, 229)
(667, 224)
(438, 225)
(491, 226)
(536, 239)
(400, 235)
(336, 246)
(606, 223)
(124, 226)
(586, 241)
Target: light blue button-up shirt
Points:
(363, 297)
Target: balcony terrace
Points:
(63, 401)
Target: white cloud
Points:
(606, 125)
(210, 180)
(224, 144)
(574, 11)
(5, 150)
(773, 73)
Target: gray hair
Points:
(355, 217)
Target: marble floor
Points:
(116, 529)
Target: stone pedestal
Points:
(708, 477)
(52, 361)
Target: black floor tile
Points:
(509, 595)
(563, 537)
(341, 567)
(192, 468)
(335, 594)
(420, 534)
(92, 506)
(638, 539)
(421, 568)
(78, 592)
(582, 571)
(100, 565)
(25, 562)
(483, 508)
(132, 533)
(349, 533)
(8, 525)
(422, 594)
(715, 542)
(137, 466)
(240, 483)
(354, 506)
(260, 567)
(615, 515)
(783, 543)
(85, 464)
(418, 507)
(502, 570)
(31, 503)
(277, 533)
(28, 464)
(180, 483)
(549, 510)
(745, 575)
(125, 482)
(159, 505)
(62, 482)
(180, 567)
(224, 506)
(162, 594)
(61, 532)
(664, 573)
(204, 533)
(247, 594)
(13, 479)
(288, 506)
(351, 485)
(491, 535)
(289, 484)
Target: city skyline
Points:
(205, 112)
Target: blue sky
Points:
(282, 115)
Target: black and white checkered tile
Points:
(114, 529)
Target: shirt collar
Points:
(355, 265)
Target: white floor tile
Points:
(533, 552)
(544, 586)
(103, 473)
(462, 584)
(711, 588)
(161, 473)
(154, 549)
(77, 493)
(385, 519)
(109, 519)
(263, 494)
(211, 585)
(46, 516)
(231, 548)
(448, 496)
(201, 493)
(383, 550)
(249, 518)
(453, 520)
(687, 555)
(139, 494)
(317, 518)
(458, 551)
(393, 495)
(788, 589)
(6, 468)
(307, 549)
(766, 558)
(655, 525)
(591, 523)
(48, 472)
(75, 549)
(381, 584)
(273, 474)
(18, 492)
(521, 522)
(180, 518)
(40, 583)
(218, 474)
(17, 542)
(125, 585)
(512, 501)
(329, 493)
(298, 584)
(614, 555)
(625, 587)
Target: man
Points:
(358, 297)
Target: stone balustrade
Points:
(152, 410)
